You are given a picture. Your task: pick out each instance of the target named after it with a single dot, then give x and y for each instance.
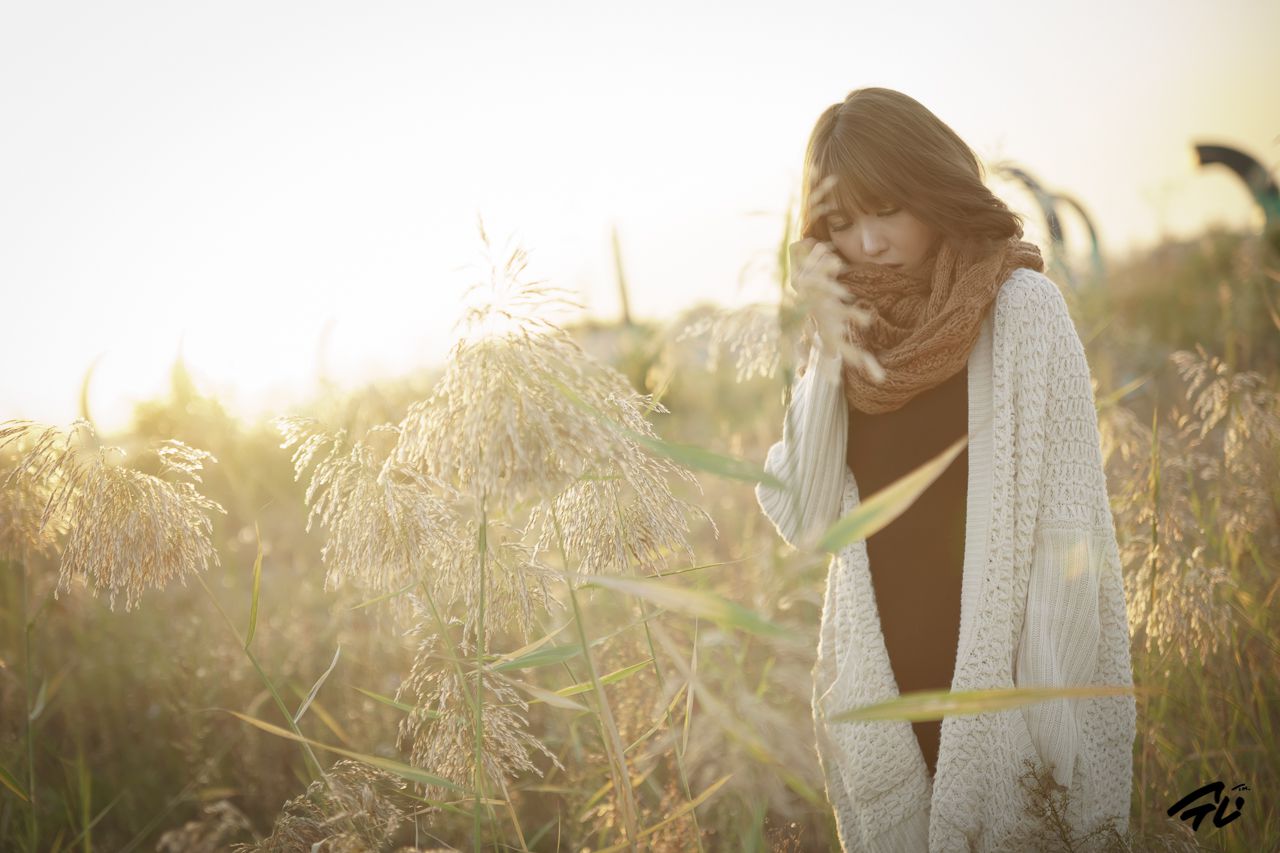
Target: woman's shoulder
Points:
(1028, 289)
(1031, 308)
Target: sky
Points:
(280, 190)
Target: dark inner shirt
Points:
(916, 560)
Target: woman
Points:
(1005, 571)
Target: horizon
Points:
(263, 189)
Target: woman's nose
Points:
(873, 243)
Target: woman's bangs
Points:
(858, 189)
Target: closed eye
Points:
(839, 223)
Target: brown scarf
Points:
(924, 325)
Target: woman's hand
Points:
(819, 309)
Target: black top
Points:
(917, 560)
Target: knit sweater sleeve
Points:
(810, 458)
(1059, 645)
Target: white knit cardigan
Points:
(1042, 600)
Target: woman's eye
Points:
(890, 212)
(837, 224)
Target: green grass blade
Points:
(386, 595)
(99, 816)
(616, 675)
(691, 602)
(700, 459)
(387, 700)
(315, 688)
(546, 656)
(405, 771)
(42, 695)
(936, 704)
(1122, 392)
(257, 586)
(890, 502)
(6, 779)
(555, 700)
(539, 653)
(85, 785)
(536, 644)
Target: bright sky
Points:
(275, 186)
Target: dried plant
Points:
(1161, 483)
(127, 530)
(516, 583)
(439, 732)
(354, 809)
(815, 308)
(822, 308)
(1053, 818)
(750, 333)
(23, 500)
(623, 515)
(219, 823)
(389, 528)
(1249, 415)
(499, 424)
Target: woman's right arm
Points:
(810, 458)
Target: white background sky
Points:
(233, 178)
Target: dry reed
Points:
(354, 809)
(126, 530)
(1162, 479)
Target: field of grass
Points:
(527, 601)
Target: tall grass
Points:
(563, 622)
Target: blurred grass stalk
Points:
(922, 705)
(603, 713)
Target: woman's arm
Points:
(1070, 583)
(810, 458)
(1059, 645)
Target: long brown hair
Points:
(885, 149)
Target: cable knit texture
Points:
(1042, 600)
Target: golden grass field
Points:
(527, 601)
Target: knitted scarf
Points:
(924, 324)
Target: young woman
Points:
(1005, 571)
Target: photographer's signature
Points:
(1219, 805)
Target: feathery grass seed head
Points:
(355, 808)
(127, 530)
(439, 732)
(388, 526)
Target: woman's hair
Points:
(886, 149)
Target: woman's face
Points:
(889, 237)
